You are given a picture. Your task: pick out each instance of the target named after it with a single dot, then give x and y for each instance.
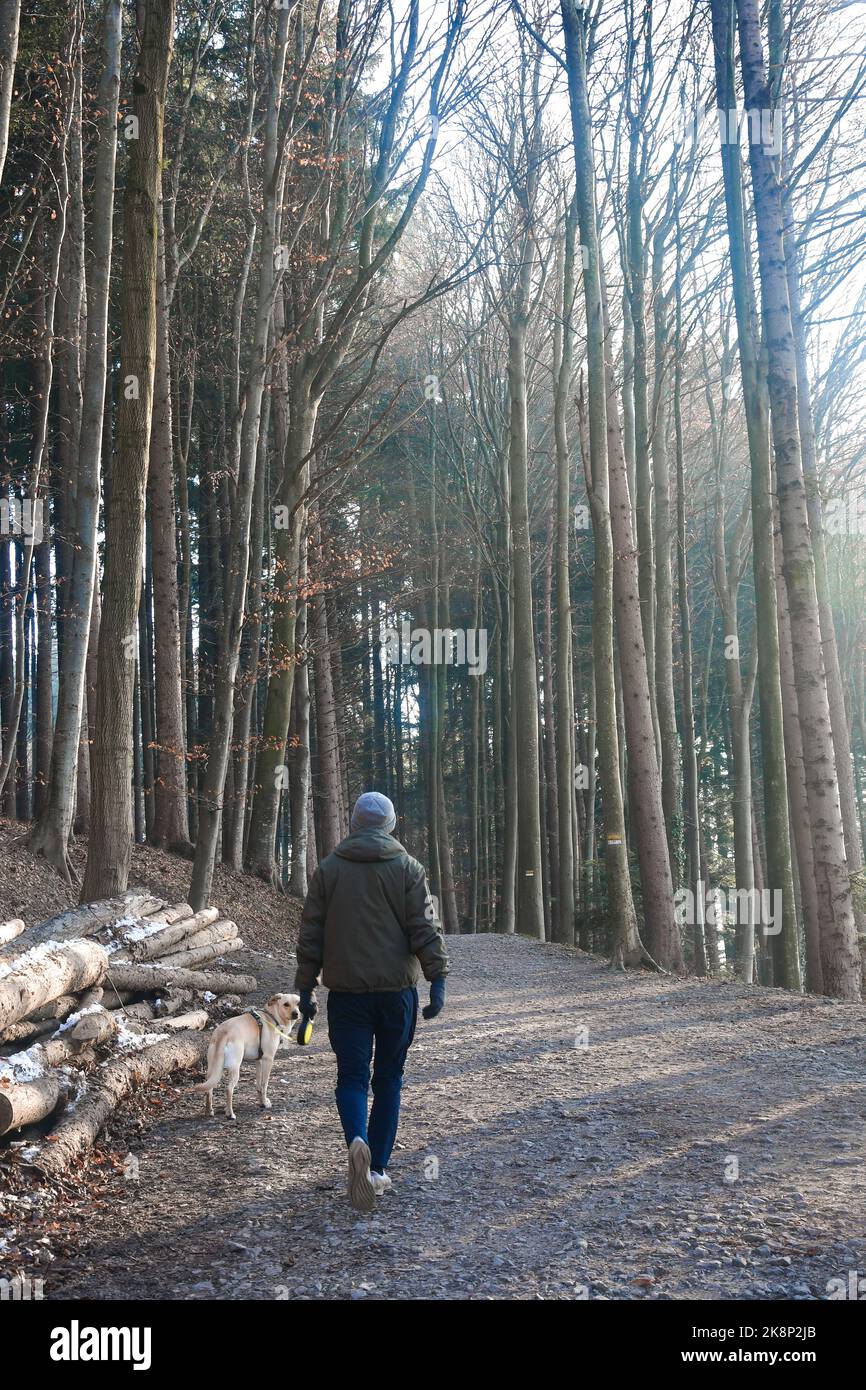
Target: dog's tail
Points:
(215, 1056)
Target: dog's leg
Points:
(231, 1081)
(263, 1076)
(214, 1072)
(234, 1056)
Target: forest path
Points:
(564, 1171)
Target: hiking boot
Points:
(362, 1193)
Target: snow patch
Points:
(31, 957)
(140, 930)
(80, 1081)
(131, 929)
(22, 1066)
(128, 1041)
(71, 1021)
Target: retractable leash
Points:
(305, 1031)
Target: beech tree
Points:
(111, 810)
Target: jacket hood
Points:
(369, 845)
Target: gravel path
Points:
(568, 1132)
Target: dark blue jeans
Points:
(376, 1027)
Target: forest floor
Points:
(568, 1131)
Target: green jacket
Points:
(369, 921)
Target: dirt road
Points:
(568, 1132)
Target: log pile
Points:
(96, 1003)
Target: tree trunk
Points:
(524, 713)
(840, 958)
(779, 866)
(627, 948)
(250, 655)
(170, 820)
(210, 810)
(109, 843)
(10, 16)
(565, 713)
(326, 731)
(299, 767)
(663, 674)
(835, 691)
(801, 826)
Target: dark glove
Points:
(308, 1006)
(437, 998)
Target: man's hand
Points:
(437, 998)
(308, 1006)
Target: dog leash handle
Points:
(305, 1031)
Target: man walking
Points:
(369, 928)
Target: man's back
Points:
(368, 921)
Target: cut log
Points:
(57, 1010)
(54, 1052)
(178, 913)
(159, 942)
(78, 1130)
(9, 930)
(26, 1031)
(158, 976)
(143, 1010)
(41, 1023)
(202, 955)
(43, 974)
(84, 920)
(29, 1101)
(170, 1001)
(99, 1026)
(220, 931)
(68, 1004)
(194, 1021)
(94, 1027)
(141, 1022)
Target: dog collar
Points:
(276, 1027)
